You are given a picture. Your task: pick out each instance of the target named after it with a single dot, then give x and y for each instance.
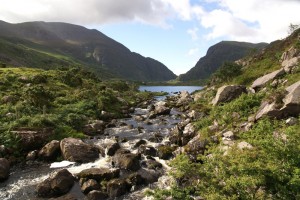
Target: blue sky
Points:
(174, 32)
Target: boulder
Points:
(139, 143)
(184, 98)
(33, 138)
(32, 155)
(161, 110)
(50, 150)
(112, 148)
(65, 197)
(117, 187)
(149, 176)
(152, 164)
(126, 160)
(244, 145)
(147, 150)
(175, 136)
(99, 174)
(291, 106)
(4, 169)
(188, 133)
(195, 147)
(228, 135)
(57, 185)
(228, 93)
(261, 81)
(290, 59)
(94, 127)
(96, 195)
(89, 185)
(76, 150)
(135, 179)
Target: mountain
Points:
(216, 56)
(49, 44)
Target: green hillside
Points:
(47, 45)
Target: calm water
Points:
(170, 89)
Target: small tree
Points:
(293, 27)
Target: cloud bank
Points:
(251, 20)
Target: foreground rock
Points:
(262, 81)
(227, 93)
(290, 107)
(94, 127)
(32, 139)
(76, 150)
(4, 169)
(57, 185)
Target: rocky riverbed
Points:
(129, 156)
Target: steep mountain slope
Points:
(216, 56)
(55, 44)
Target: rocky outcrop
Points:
(290, 59)
(195, 147)
(99, 174)
(76, 150)
(184, 98)
(161, 109)
(32, 139)
(57, 185)
(262, 81)
(290, 107)
(4, 169)
(94, 127)
(126, 160)
(228, 93)
(50, 150)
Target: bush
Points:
(226, 73)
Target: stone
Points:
(59, 184)
(228, 92)
(96, 195)
(99, 174)
(94, 127)
(75, 150)
(228, 135)
(111, 149)
(135, 179)
(262, 81)
(291, 121)
(4, 169)
(147, 150)
(188, 133)
(195, 115)
(149, 176)
(267, 109)
(195, 147)
(33, 138)
(126, 160)
(32, 155)
(175, 136)
(117, 187)
(244, 145)
(65, 197)
(161, 110)
(152, 164)
(89, 185)
(50, 151)
(139, 143)
(184, 98)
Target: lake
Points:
(170, 89)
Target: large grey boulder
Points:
(56, 185)
(290, 59)
(76, 150)
(228, 93)
(291, 106)
(184, 98)
(262, 81)
(4, 169)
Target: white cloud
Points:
(251, 20)
(193, 52)
(193, 33)
(86, 12)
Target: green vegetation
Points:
(63, 100)
(269, 167)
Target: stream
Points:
(24, 178)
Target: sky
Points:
(174, 32)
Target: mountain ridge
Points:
(85, 46)
(216, 55)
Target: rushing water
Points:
(170, 89)
(22, 181)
